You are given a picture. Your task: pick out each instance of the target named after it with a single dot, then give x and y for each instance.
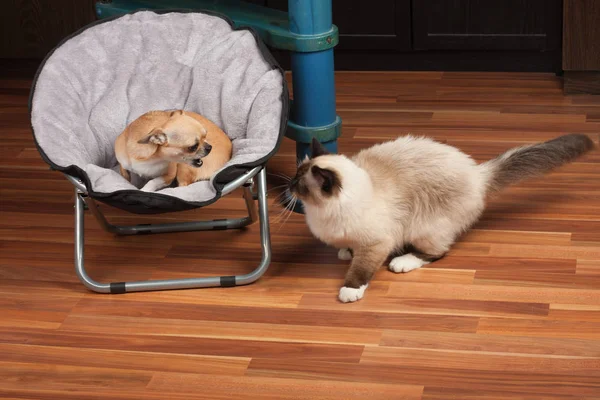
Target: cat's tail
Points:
(533, 160)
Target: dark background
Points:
(514, 35)
(498, 35)
(443, 35)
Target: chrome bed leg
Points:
(141, 286)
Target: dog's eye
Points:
(193, 148)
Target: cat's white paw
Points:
(348, 295)
(406, 263)
(345, 254)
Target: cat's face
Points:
(316, 180)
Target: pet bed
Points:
(96, 82)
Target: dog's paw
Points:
(348, 295)
(345, 254)
(148, 187)
(406, 263)
(153, 185)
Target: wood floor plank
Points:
(261, 388)
(123, 359)
(569, 252)
(30, 311)
(221, 296)
(220, 329)
(433, 274)
(581, 230)
(574, 312)
(333, 318)
(184, 345)
(540, 328)
(443, 393)
(494, 293)
(588, 267)
(361, 117)
(390, 304)
(483, 361)
(490, 343)
(507, 264)
(488, 144)
(526, 278)
(516, 237)
(438, 376)
(65, 377)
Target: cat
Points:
(410, 198)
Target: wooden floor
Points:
(512, 313)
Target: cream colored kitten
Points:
(410, 198)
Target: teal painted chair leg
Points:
(313, 110)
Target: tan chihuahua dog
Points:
(164, 145)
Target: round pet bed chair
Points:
(100, 79)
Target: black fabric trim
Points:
(117, 288)
(227, 281)
(136, 201)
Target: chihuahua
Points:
(164, 145)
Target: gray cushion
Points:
(110, 73)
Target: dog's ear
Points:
(156, 136)
(317, 149)
(176, 112)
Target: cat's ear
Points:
(317, 149)
(327, 179)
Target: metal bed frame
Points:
(246, 181)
